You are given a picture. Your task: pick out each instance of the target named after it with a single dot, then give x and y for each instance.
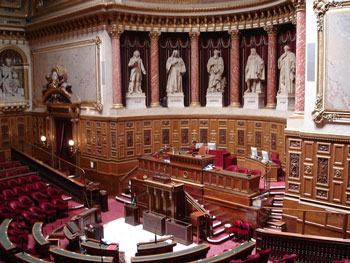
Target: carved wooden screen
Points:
(167, 43)
(129, 42)
(208, 42)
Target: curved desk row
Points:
(26, 258)
(64, 256)
(7, 248)
(96, 248)
(182, 256)
(73, 238)
(239, 252)
(42, 245)
(155, 248)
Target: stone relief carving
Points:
(286, 65)
(254, 72)
(215, 67)
(137, 69)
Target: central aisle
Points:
(128, 236)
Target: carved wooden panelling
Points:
(309, 151)
(204, 135)
(338, 174)
(222, 122)
(308, 169)
(147, 124)
(98, 133)
(88, 137)
(258, 139)
(339, 150)
(113, 139)
(322, 171)
(323, 147)
(113, 126)
(130, 139)
(321, 193)
(147, 141)
(240, 123)
(165, 123)
(129, 125)
(240, 137)
(203, 123)
(308, 186)
(222, 137)
(294, 165)
(337, 191)
(5, 132)
(294, 187)
(165, 137)
(294, 144)
(184, 136)
(273, 141)
(258, 125)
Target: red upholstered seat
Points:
(275, 159)
(232, 168)
(9, 174)
(264, 255)
(5, 212)
(33, 179)
(23, 181)
(255, 172)
(30, 218)
(17, 207)
(40, 198)
(237, 226)
(49, 210)
(9, 195)
(19, 191)
(242, 170)
(54, 193)
(38, 212)
(286, 258)
(17, 165)
(252, 259)
(236, 261)
(245, 232)
(12, 183)
(25, 201)
(30, 189)
(220, 157)
(230, 160)
(62, 207)
(3, 186)
(341, 261)
(40, 187)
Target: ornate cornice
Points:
(194, 35)
(271, 30)
(234, 34)
(115, 31)
(154, 35)
(14, 106)
(299, 5)
(133, 18)
(12, 34)
(320, 9)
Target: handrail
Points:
(121, 180)
(25, 147)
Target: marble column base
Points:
(285, 102)
(136, 101)
(253, 101)
(214, 100)
(176, 100)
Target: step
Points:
(122, 200)
(216, 223)
(218, 239)
(219, 231)
(272, 229)
(272, 222)
(276, 217)
(277, 210)
(278, 198)
(76, 207)
(67, 198)
(276, 214)
(276, 193)
(274, 187)
(126, 195)
(277, 204)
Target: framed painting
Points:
(333, 92)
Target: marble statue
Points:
(215, 67)
(137, 69)
(254, 72)
(9, 82)
(286, 65)
(175, 68)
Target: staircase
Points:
(124, 198)
(275, 222)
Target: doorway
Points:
(63, 133)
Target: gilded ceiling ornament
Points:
(115, 32)
(320, 9)
(154, 34)
(234, 33)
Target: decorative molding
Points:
(294, 165)
(320, 9)
(234, 34)
(299, 4)
(271, 30)
(322, 173)
(154, 35)
(115, 31)
(319, 115)
(194, 35)
(14, 106)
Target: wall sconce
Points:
(73, 149)
(43, 140)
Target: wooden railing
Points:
(197, 207)
(124, 178)
(307, 247)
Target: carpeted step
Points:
(122, 200)
(276, 193)
(272, 229)
(216, 223)
(274, 187)
(218, 230)
(277, 210)
(218, 239)
(278, 203)
(276, 217)
(127, 196)
(278, 198)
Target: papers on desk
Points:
(166, 160)
(209, 167)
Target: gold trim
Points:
(195, 104)
(235, 105)
(96, 104)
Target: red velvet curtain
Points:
(129, 42)
(208, 42)
(167, 43)
(256, 38)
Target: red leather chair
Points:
(40, 187)
(264, 255)
(12, 183)
(341, 261)
(19, 191)
(3, 186)
(220, 158)
(54, 193)
(39, 198)
(9, 174)
(255, 172)
(236, 261)
(252, 259)
(237, 226)
(25, 201)
(33, 179)
(23, 181)
(62, 207)
(3, 201)
(232, 168)
(30, 218)
(288, 258)
(18, 230)
(242, 170)
(17, 165)
(5, 212)
(275, 159)
(29, 188)
(9, 195)
(230, 160)
(17, 207)
(245, 232)
(40, 214)
(49, 210)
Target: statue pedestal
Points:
(176, 100)
(214, 100)
(253, 101)
(285, 101)
(135, 101)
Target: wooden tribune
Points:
(265, 168)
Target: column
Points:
(234, 74)
(154, 36)
(271, 67)
(300, 57)
(194, 36)
(115, 33)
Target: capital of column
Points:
(154, 34)
(234, 33)
(194, 35)
(115, 31)
(271, 30)
(299, 5)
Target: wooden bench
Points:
(64, 256)
(7, 248)
(24, 258)
(239, 252)
(42, 245)
(182, 256)
(94, 247)
(151, 248)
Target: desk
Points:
(6, 245)
(92, 215)
(25, 258)
(185, 255)
(73, 238)
(95, 231)
(155, 248)
(255, 164)
(197, 220)
(64, 256)
(132, 215)
(42, 245)
(98, 249)
(193, 161)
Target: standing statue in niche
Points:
(9, 82)
(137, 69)
(175, 68)
(254, 72)
(286, 65)
(215, 69)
